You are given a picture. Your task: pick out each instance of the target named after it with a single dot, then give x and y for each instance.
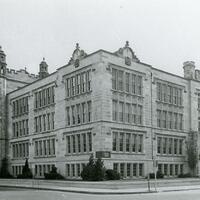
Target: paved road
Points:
(51, 195)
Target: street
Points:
(21, 194)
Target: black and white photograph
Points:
(99, 99)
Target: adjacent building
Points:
(132, 115)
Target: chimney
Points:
(189, 69)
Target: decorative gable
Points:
(127, 53)
(77, 56)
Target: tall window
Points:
(73, 115)
(68, 88)
(170, 93)
(198, 100)
(120, 80)
(164, 119)
(159, 144)
(78, 84)
(133, 83)
(78, 113)
(121, 141)
(139, 83)
(175, 120)
(127, 82)
(83, 112)
(114, 141)
(140, 143)
(170, 120)
(73, 86)
(83, 82)
(121, 111)
(159, 96)
(89, 80)
(114, 116)
(89, 111)
(68, 116)
(134, 113)
(128, 113)
(128, 137)
(139, 114)
(114, 79)
(159, 118)
(89, 135)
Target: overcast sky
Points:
(162, 33)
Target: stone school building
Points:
(109, 104)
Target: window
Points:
(140, 143)
(68, 144)
(180, 147)
(73, 144)
(40, 123)
(73, 115)
(139, 83)
(141, 166)
(89, 80)
(175, 120)
(139, 114)
(128, 169)
(52, 118)
(79, 143)
(127, 82)
(78, 84)
(114, 116)
(159, 144)
(89, 111)
(134, 113)
(89, 135)
(120, 80)
(78, 113)
(68, 116)
(84, 143)
(170, 120)
(164, 119)
(164, 145)
(73, 86)
(83, 75)
(83, 112)
(114, 79)
(121, 111)
(128, 142)
(114, 141)
(133, 83)
(121, 140)
(68, 88)
(159, 118)
(128, 113)
(180, 122)
(198, 100)
(159, 96)
(175, 146)
(170, 93)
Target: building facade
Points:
(132, 115)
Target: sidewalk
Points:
(110, 187)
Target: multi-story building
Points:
(129, 113)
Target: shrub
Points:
(53, 175)
(112, 175)
(26, 172)
(158, 175)
(93, 171)
(99, 170)
(188, 175)
(4, 173)
(88, 171)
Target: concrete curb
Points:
(103, 192)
